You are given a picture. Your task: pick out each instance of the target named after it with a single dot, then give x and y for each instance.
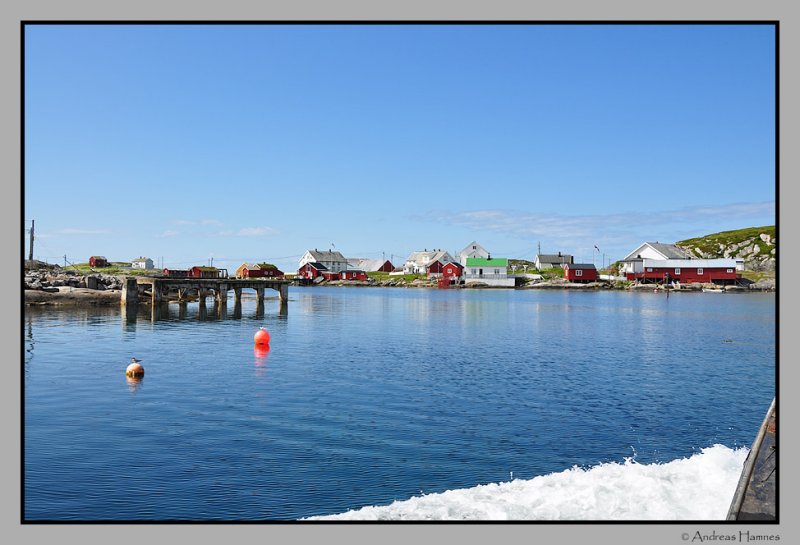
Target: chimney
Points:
(559, 254)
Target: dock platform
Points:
(201, 287)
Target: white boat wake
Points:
(695, 488)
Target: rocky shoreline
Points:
(64, 287)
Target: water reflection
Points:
(129, 316)
(134, 383)
(181, 310)
(261, 352)
(29, 346)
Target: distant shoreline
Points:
(88, 297)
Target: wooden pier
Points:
(755, 495)
(186, 288)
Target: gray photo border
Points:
(15, 11)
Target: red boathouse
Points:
(580, 272)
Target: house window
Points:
(649, 269)
(497, 271)
(730, 270)
(579, 273)
(677, 270)
(699, 271)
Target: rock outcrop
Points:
(56, 278)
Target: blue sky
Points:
(258, 142)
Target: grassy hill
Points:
(756, 245)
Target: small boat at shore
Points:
(713, 290)
(755, 494)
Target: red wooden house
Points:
(176, 273)
(98, 261)
(270, 271)
(452, 271)
(312, 270)
(580, 272)
(436, 268)
(207, 272)
(353, 274)
(249, 270)
(718, 271)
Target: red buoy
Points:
(262, 336)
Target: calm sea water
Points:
(372, 395)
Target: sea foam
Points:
(697, 488)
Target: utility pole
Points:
(30, 254)
(65, 261)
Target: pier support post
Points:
(155, 296)
(284, 293)
(130, 293)
(222, 294)
(237, 296)
(259, 295)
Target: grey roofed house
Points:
(657, 250)
(581, 266)
(549, 261)
(327, 255)
(670, 251)
(333, 260)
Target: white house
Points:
(473, 249)
(420, 262)
(551, 261)
(490, 271)
(333, 261)
(142, 263)
(633, 262)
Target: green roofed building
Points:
(487, 262)
(490, 271)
